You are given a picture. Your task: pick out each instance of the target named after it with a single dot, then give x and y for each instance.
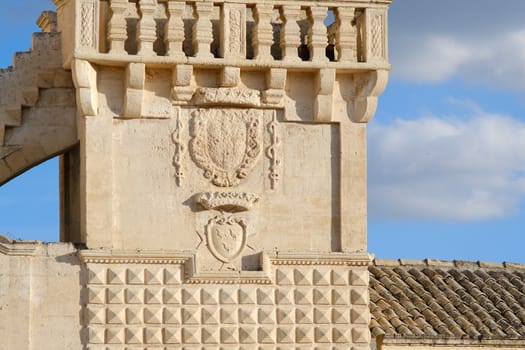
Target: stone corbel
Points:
(368, 87)
(182, 90)
(85, 79)
(230, 76)
(275, 84)
(323, 106)
(135, 80)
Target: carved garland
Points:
(226, 144)
(179, 152)
(272, 151)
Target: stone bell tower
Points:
(220, 184)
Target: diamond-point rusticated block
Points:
(134, 335)
(97, 275)
(359, 277)
(96, 295)
(153, 315)
(153, 336)
(97, 335)
(135, 275)
(266, 335)
(322, 315)
(229, 335)
(191, 335)
(96, 314)
(304, 334)
(116, 275)
(171, 296)
(266, 296)
(284, 296)
(172, 335)
(321, 296)
(302, 277)
(322, 334)
(359, 296)
(191, 315)
(210, 335)
(115, 295)
(284, 277)
(321, 277)
(285, 315)
(341, 334)
(154, 275)
(285, 334)
(361, 334)
(134, 295)
(116, 314)
(134, 315)
(247, 334)
(360, 314)
(248, 315)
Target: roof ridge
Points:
(446, 263)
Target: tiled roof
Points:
(440, 299)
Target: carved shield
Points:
(226, 237)
(226, 143)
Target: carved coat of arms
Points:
(226, 143)
(226, 237)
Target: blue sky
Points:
(446, 148)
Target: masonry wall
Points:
(39, 296)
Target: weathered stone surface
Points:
(218, 188)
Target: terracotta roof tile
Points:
(451, 299)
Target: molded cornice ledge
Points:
(368, 87)
(18, 248)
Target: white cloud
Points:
(434, 59)
(445, 168)
(495, 61)
(481, 43)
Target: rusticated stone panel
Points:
(148, 306)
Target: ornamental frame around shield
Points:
(204, 125)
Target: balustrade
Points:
(268, 31)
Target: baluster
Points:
(346, 35)
(203, 30)
(147, 27)
(263, 32)
(317, 34)
(117, 33)
(174, 30)
(290, 35)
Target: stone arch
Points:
(38, 117)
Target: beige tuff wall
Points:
(40, 304)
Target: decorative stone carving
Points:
(87, 24)
(228, 97)
(273, 151)
(304, 303)
(226, 143)
(227, 201)
(226, 237)
(377, 35)
(233, 31)
(179, 152)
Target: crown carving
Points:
(227, 201)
